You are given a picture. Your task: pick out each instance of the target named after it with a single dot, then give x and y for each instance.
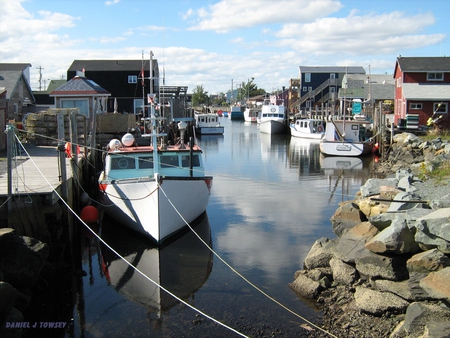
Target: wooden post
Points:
(62, 156)
(10, 142)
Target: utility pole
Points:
(40, 77)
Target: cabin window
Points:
(169, 161)
(81, 104)
(185, 161)
(440, 108)
(122, 162)
(435, 76)
(132, 78)
(415, 106)
(146, 162)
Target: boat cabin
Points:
(131, 165)
(311, 126)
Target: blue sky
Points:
(215, 43)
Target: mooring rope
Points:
(123, 258)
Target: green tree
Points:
(199, 96)
(249, 89)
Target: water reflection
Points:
(304, 154)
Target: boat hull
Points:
(302, 134)
(342, 148)
(210, 130)
(154, 209)
(272, 127)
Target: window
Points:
(138, 105)
(132, 78)
(169, 161)
(307, 77)
(146, 162)
(81, 104)
(332, 76)
(185, 161)
(305, 89)
(435, 76)
(440, 108)
(122, 162)
(415, 106)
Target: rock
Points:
(373, 186)
(377, 303)
(397, 238)
(319, 273)
(435, 329)
(21, 259)
(306, 286)
(343, 273)
(400, 289)
(371, 208)
(433, 233)
(414, 286)
(427, 261)
(437, 284)
(346, 217)
(376, 266)
(382, 221)
(401, 206)
(351, 244)
(419, 314)
(320, 254)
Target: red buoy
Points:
(89, 214)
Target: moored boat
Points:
(251, 114)
(307, 128)
(237, 112)
(346, 138)
(207, 124)
(271, 120)
(152, 189)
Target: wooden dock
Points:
(34, 208)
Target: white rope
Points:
(127, 262)
(240, 275)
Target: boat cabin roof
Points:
(147, 149)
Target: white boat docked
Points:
(207, 124)
(154, 190)
(307, 128)
(346, 138)
(272, 118)
(236, 112)
(251, 114)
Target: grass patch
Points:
(444, 135)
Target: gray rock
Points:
(319, 273)
(433, 233)
(435, 329)
(306, 286)
(320, 254)
(382, 221)
(400, 289)
(351, 244)
(343, 273)
(397, 238)
(346, 217)
(377, 266)
(427, 261)
(414, 286)
(377, 303)
(401, 206)
(373, 186)
(419, 314)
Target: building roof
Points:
(326, 69)
(14, 66)
(79, 86)
(109, 65)
(424, 64)
(10, 79)
(426, 91)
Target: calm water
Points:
(272, 197)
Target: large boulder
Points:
(343, 273)
(374, 186)
(351, 245)
(427, 261)
(305, 286)
(382, 266)
(346, 217)
(437, 284)
(433, 233)
(377, 303)
(397, 238)
(320, 254)
(400, 289)
(419, 314)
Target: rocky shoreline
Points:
(387, 272)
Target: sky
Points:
(220, 44)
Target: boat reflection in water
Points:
(181, 266)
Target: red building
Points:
(422, 91)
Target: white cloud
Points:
(113, 2)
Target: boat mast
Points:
(151, 102)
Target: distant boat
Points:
(346, 138)
(307, 128)
(225, 114)
(207, 124)
(271, 120)
(237, 112)
(251, 114)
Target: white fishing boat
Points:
(307, 128)
(272, 118)
(346, 138)
(207, 124)
(251, 114)
(154, 190)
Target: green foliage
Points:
(248, 89)
(200, 96)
